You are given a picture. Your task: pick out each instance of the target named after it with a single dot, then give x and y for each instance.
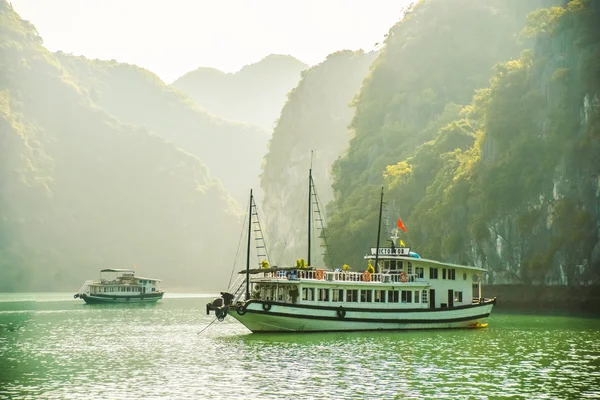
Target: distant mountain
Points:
(232, 151)
(81, 191)
(255, 94)
(315, 117)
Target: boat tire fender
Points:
(366, 276)
(266, 306)
(403, 277)
(341, 313)
(241, 310)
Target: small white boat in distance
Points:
(120, 286)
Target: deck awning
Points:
(276, 269)
(116, 270)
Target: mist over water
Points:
(57, 348)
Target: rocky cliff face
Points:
(315, 118)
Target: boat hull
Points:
(260, 316)
(102, 299)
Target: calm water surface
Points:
(54, 347)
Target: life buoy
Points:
(266, 306)
(341, 313)
(403, 277)
(319, 274)
(366, 276)
(241, 310)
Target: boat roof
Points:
(116, 270)
(425, 260)
(148, 279)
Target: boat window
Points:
(464, 276)
(452, 274)
(352, 295)
(323, 295)
(424, 296)
(416, 296)
(337, 294)
(444, 273)
(420, 272)
(433, 273)
(393, 296)
(386, 265)
(458, 297)
(380, 296)
(366, 296)
(393, 265)
(308, 294)
(409, 271)
(407, 296)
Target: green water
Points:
(54, 347)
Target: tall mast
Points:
(309, 207)
(248, 250)
(379, 231)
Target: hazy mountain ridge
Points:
(80, 191)
(315, 117)
(255, 94)
(135, 95)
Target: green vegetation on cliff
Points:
(509, 182)
(432, 62)
(80, 191)
(523, 200)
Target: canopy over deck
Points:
(275, 269)
(116, 270)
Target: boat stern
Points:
(220, 305)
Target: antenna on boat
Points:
(379, 230)
(248, 250)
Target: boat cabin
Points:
(122, 282)
(401, 280)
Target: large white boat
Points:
(120, 286)
(400, 291)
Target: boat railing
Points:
(344, 276)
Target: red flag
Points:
(401, 225)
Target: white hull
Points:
(288, 318)
(147, 298)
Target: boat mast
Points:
(379, 231)
(248, 250)
(309, 204)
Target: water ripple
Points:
(66, 350)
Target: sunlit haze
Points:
(173, 37)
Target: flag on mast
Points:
(401, 225)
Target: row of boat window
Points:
(397, 266)
(117, 289)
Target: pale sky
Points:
(172, 37)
